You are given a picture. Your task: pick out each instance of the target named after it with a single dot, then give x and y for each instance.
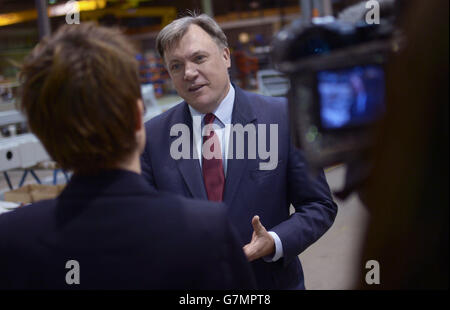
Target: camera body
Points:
(337, 77)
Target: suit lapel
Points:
(190, 168)
(242, 114)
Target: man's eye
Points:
(174, 67)
(199, 58)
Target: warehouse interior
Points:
(28, 173)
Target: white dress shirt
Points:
(222, 126)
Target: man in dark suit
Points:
(224, 124)
(108, 229)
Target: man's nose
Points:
(190, 72)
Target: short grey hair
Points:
(170, 35)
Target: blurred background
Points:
(249, 26)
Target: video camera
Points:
(337, 76)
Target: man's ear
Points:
(226, 57)
(140, 114)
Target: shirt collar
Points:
(224, 111)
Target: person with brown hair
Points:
(108, 229)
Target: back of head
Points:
(80, 89)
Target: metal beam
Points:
(327, 8)
(208, 7)
(306, 10)
(43, 20)
(167, 13)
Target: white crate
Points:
(9, 155)
(21, 151)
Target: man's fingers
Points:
(253, 248)
(256, 223)
(249, 252)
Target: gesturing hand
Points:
(262, 243)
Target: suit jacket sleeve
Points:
(315, 209)
(238, 270)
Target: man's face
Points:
(199, 69)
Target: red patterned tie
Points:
(212, 169)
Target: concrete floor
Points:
(332, 263)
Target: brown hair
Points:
(80, 89)
(170, 35)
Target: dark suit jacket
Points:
(248, 190)
(124, 236)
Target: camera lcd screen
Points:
(350, 97)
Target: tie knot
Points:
(209, 118)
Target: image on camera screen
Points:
(350, 97)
